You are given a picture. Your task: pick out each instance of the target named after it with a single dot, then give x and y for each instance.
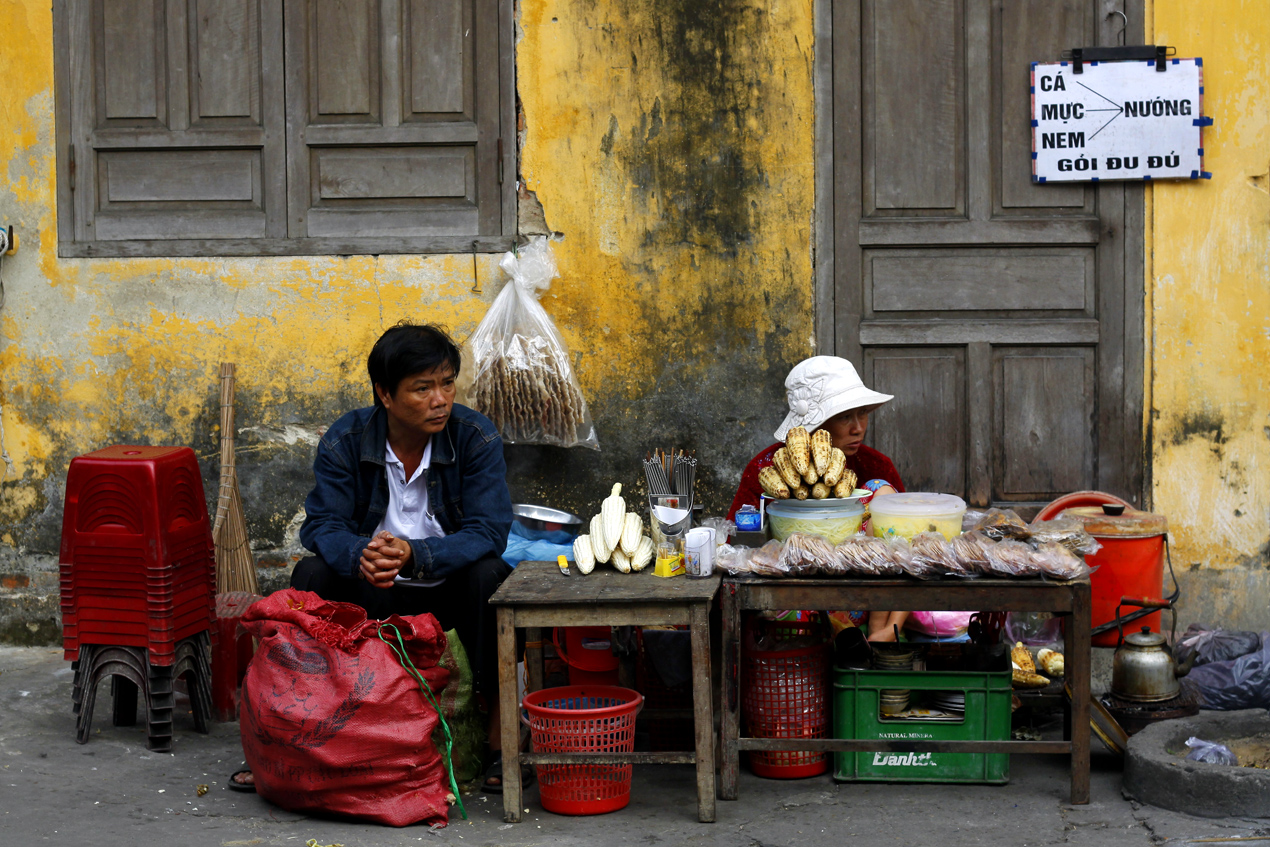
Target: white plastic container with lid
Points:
(834, 520)
(908, 514)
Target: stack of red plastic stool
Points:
(138, 581)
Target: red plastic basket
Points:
(583, 719)
(786, 696)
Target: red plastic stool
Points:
(232, 652)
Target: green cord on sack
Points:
(426, 690)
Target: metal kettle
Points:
(1144, 669)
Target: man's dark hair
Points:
(407, 349)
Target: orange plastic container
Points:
(1130, 563)
(588, 651)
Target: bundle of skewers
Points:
(671, 474)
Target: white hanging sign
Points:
(1118, 120)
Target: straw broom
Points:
(235, 566)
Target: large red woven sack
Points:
(331, 722)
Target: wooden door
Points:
(1005, 316)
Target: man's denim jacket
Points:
(467, 492)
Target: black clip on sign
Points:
(1137, 52)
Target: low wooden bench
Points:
(538, 596)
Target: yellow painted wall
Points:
(670, 144)
(1208, 281)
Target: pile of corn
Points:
(807, 466)
(616, 535)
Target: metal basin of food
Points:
(544, 523)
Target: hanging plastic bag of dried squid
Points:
(517, 370)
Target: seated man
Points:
(410, 511)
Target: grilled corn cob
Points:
(837, 464)
(621, 561)
(798, 443)
(643, 554)
(1051, 662)
(773, 484)
(821, 445)
(819, 491)
(845, 485)
(613, 510)
(1022, 658)
(785, 467)
(632, 532)
(811, 477)
(583, 556)
(1027, 679)
(599, 547)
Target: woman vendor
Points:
(825, 392)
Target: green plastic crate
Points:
(987, 718)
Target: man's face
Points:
(422, 401)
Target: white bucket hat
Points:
(819, 388)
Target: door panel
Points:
(929, 386)
(1004, 316)
(1045, 442)
(914, 113)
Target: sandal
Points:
(494, 770)
(240, 784)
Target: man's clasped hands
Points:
(383, 558)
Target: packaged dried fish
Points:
(1067, 531)
(1000, 524)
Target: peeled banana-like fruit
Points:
(773, 484)
(811, 477)
(582, 555)
(802, 492)
(819, 491)
(798, 443)
(621, 561)
(599, 546)
(1022, 658)
(1051, 662)
(632, 532)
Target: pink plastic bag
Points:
(939, 624)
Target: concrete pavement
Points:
(112, 791)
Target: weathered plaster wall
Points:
(1209, 314)
(670, 144)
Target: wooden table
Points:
(1071, 599)
(538, 595)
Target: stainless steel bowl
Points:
(535, 522)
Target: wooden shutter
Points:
(393, 120)
(175, 124)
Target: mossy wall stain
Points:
(1209, 375)
(670, 145)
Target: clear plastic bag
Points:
(1066, 531)
(1210, 752)
(1056, 561)
(1011, 558)
(766, 560)
(806, 555)
(932, 556)
(1000, 525)
(970, 553)
(863, 555)
(521, 378)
